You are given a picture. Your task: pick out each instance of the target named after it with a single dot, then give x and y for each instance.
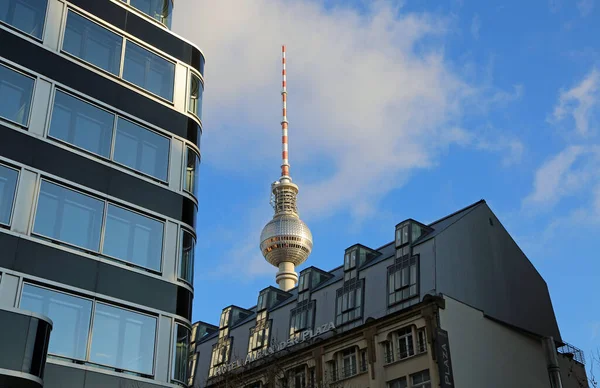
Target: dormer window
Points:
(350, 260)
(225, 315)
(402, 234)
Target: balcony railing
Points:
(572, 352)
(351, 370)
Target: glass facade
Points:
(133, 237)
(192, 170)
(181, 352)
(25, 15)
(69, 216)
(70, 315)
(82, 124)
(160, 10)
(141, 149)
(8, 188)
(196, 89)
(92, 43)
(16, 92)
(149, 71)
(123, 339)
(186, 256)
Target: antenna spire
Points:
(285, 164)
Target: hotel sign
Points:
(442, 350)
(303, 337)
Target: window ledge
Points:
(404, 359)
(350, 377)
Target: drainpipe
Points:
(552, 362)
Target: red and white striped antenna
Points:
(285, 165)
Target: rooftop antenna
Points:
(285, 241)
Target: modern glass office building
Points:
(100, 127)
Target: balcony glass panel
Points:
(123, 339)
(192, 170)
(141, 149)
(70, 316)
(69, 216)
(181, 351)
(160, 10)
(149, 71)
(186, 258)
(16, 92)
(196, 89)
(82, 124)
(25, 15)
(92, 43)
(8, 187)
(133, 237)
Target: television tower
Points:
(285, 241)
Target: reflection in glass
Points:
(181, 351)
(70, 316)
(8, 187)
(16, 91)
(123, 339)
(160, 10)
(142, 149)
(25, 15)
(149, 71)
(133, 237)
(186, 259)
(92, 43)
(82, 124)
(196, 95)
(69, 216)
(192, 170)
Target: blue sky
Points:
(401, 110)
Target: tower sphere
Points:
(286, 238)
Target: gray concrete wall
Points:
(572, 373)
(481, 265)
(488, 354)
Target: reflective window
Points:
(8, 187)
(92, 43)
(142, 149)
(82, 124)
(402, 280)
(421, 379)
(25, 15)
(186, 258)
(349, 301)
(16, 92)
(70, 315)
(160, 10)
(195, 104)
(398, 383)
(181, 351)
(192, 169)
(149, 71)
(123, 339)
(133, 237)
(69, 216)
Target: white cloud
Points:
(585, 7)
(475, 26)
(573, 170)
(368, 99)
(580, 103)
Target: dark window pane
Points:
(181, 350)
(69, 216)
(123, 339)
(186, 259)
(70, 315)
(160, 10)
(25, 15)
(196, 90)
(8, 186)
(149, 71)
(133, 237)
(192, 170)
(16, 91)
(82, 124)
(93, 43)
(142, 149)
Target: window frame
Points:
(15, 194)
(173, 353)
(146, 16)
(393, 271)
(106, 202)
(356, 287)
(305, 307)
(182, 230)
(125, 37)
(85, 99)
(41, 39)
(406, 336)
(187, 147)
(114, 304)
(33, 88)
(193, 73)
